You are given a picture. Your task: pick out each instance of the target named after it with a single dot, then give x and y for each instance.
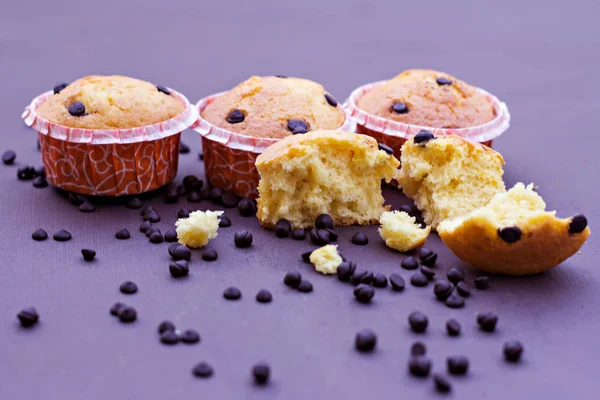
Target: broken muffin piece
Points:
(323, 172)
(326, 259)
(401, 232)
(197, 229)
(514, 235)
(448, 176)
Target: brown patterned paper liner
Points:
(394, 134)
(229, 157)
(113, 162)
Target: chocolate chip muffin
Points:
(275, 107)
(110, 102)
(428, 98)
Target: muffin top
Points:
(275, 107)
(428, 98)
(110, 102)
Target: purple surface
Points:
(540, 58)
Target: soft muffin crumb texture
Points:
(196, 230)
(401, 232)
(326, 259)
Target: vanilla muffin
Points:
(275, 107)
(110, 102)
(326, 259)
(514, 235)
(428, 98)
(448, 176)
(323, 172)
(401, 232)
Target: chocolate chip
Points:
(194, 197)
(333, 236)
(330, 100)
(169, 337)
(292, 279)
(455, 275)
(407, 208)
(399, 108)
(443, 81)
(324, 221)
(77, 109)
(203, 370)
(397, 282)
(453, 327)
(151, 230)
(379, 280)
(201, 156)
(298, 234)
(28, 317)
(216, 195)
(427, 257)
(229, 199)
(40, 171)
(319, 237)
(152, 216)
(87, 207)
(134, 203)
(172, 195)
(360, 239)
(578, 224)
(512, 350)
(123, 234)
(418, 279)
(39, 235)
(418, 349)
(283, 228)
(409, 263)
(442, 289)
(510, 234)
(128, 287)
(88, 255)
(385, 148)
(25, 173)
(58, 88)
(156, 237)
(487, 321)
(235, 116)
(40, 182)
(428, 272)
(224, 221)
(306, 256)
(280, 76)
(172, 248)
(8, 157)
(418, 321)
(457, 365)
(146, 209)
(264, 296)
(163, 89)
(247, 208)
(358, 276)
(179, 269)
(455, 301)
(364, 293)
(183, 148)
(463, 289)
(181, 252)
(116, 308)
(423, 136)
(77, 199)
(171, 236)
(190, 336)
(243, 239)
(232, 293)
(367, 278)
(166, 326)
(344, 272)
(482, 282)
(297, 126)
(127, 314)
(210, 255)
(305, 286)
(365, 340)
(261, 373)
(419, 366)
(62, 236)
(442, 384)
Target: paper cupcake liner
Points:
(113, 162)
(229, 157)
(394, 134)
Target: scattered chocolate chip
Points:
(357, 276)
(25, 173)
(39, 235)
(482, 282)
(333, 236)
(246, 208)
(385, 148)
(367, 278)
(28, 317)
(232, 293)
(152, 230)
(344, 272)
(171, 236)
(127, 314)
(443, 81)
(264, 296)
(419, 366)
(457, 365)
(183, 148)
(306, 256)
(116, 308)
(298, 234)
(224, 221)
(418, 321)
(297, 126)
(453, 327)
(87, 207)
(510, 234)
(280, 76)
(166, 326)
(201, 156)
(58, 88)
(364, 293)
(88, 255)
(172, 195)
(455, 301)
(365, 340)
(8, 157)
(261, 373)
(360, 239)
(216, 195)
(172, 248)
(181, 252)
(463, 289)
(152, 216)
(292, 279)
(169, 337)
(442, 384)
(418, 279)
(229, 199)
(407, 208)
(399, 108)
(156, 237)
(40, 182)
(423, 136)
(397, 282)
(319, 237)
(379, 280)
(62, 236)
(203, 370)
(128, 287)
(283, 228)
(409, 263)
(428, 272)
(427, 257)
(179, 268)
(210, 255)
(578, 224)
(487, 321)
(123, 234)
(512, 350)
(146, 209)
(305, 286)
(324, 221)
(194, 197)
(190, 336)
(134, 203)
(455, 275)
(163, 89)
(145, 226)
(77, 109)
(442, 289)
(40, 171)
(418, 349)
(235, 116)
(330, 100)
(243, 239)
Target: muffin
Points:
(395, 110)
(109, 135)
(238, 125)
(323, 172)
(401, 232)
(448, 176)
(514, 235)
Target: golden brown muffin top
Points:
(110, 102)
(428, 98)
(264, 106)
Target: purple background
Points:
(540, 57)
